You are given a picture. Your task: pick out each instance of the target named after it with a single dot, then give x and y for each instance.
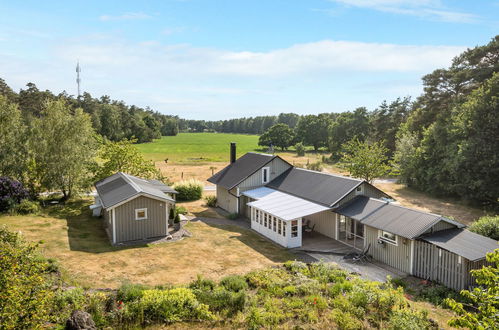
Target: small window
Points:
(275, 224)
(265, 220)
(279, 224)
(294, 228)
(284, 224)
(388, 237)
(265, 174)
(140, 214)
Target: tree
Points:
(312, 130)
(12, 137)
(485, 312)
(279, 135)
(364, 160)
(346, 127)
(123, 156)
(63, 147)
(290, 119)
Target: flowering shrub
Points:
(12, 192)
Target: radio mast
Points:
(78, 80)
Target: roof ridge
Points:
(260, 153)
(130, 181)
(330, 174)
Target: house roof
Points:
(121, 186)
(282, 205)
(463, 242)
(322, 188)
(242, 168)
(387, 216)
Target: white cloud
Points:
(427, 9)
(125, 17)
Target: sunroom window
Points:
(388, 237)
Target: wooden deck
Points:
(315, 242)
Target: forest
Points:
(444, 142)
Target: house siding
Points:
(225, 200)
(129, 229)
(277, 167)
(325, 223)
(397, 256)
(365, 190)
(441, 225)
(439, 265)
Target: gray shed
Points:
(134, 209)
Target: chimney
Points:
(232, 152)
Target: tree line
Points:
(112, 119)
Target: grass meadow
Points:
(198, 147)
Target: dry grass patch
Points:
(80, 244)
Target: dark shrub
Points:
(11, 192)
(234, 283)
(27, 207)
(487, 226)
(211, 201)
(190, 190)
(130, 292)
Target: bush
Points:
(233, 216)
(189, 190)
(222, 300)
(202, 283)
(27, 207)
(130, 292)
(234, 283)
(179, 304)
(180, 210)
(345, 321)
(300, 149)
(11, 193)
(487, 226)
(25, 287)
(211, 201)
(317, 166)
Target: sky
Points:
(220, 59)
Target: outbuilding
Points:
(134, 209)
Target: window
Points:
(265, 174)
(284, 224)
(279, 224)
(140, 214)
(294, 228)
(387, 237)
(275, 224)
(265, 220)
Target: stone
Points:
(80, 320)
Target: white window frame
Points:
(137, 214)
(268, 174)
(385, 239)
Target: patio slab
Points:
(315, 242)
(374, 271)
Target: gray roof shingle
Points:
(322, 188)
(396, 219)
(462, 242)
(121, 186)
(235, 173)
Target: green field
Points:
(198, 147)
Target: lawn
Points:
(198, 147)
(72, 236)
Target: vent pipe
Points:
(232, 152)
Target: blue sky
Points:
(203, 59)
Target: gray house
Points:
(293, 206)
(133, 209)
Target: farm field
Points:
(198, 147)
(79, 243)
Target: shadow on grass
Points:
(265, 247)
(85, 232)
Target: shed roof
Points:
(242, 168)
(282, 205)
(121, 186)
(463, 242)
(322, 188)
(396, 219)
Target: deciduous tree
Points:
(365, 160)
